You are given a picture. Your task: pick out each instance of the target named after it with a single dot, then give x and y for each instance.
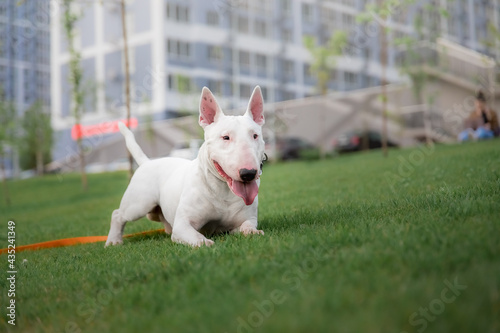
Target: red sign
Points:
(80, 131)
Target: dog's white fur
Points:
(206, 195)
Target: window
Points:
(212, 18)
(178, 49)
(171, 11)
(288, 68)
(347, 21)
(401, 16)
(261, 28)
(307, 13)
(245, 91)
(327, 14)
(244, 60)
(177, 12)
(215, 86)
(350, 78)
(261, 63)
(180, 83)
(242, 24)
(286, 7)
(372, 81)
(214, 53)
(368, 53)
(287, 36)
(264, 93)
(229, 86)
(307, 71)
(182, 14)
(288, 95)
(184, 83)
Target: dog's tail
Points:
(132, 145)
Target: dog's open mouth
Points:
(245, 190)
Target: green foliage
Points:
(444, 13)
(350, 250)
(8, 120)
(414, 60)
(75, 77)
(324, 57)
(381, 10)
(8, 137)
(70, 19)
(37, 138)
(183, 84)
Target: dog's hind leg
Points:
(120, 217)
(115, 235)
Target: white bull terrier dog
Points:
(216, 192)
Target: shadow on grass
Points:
(277, 224)
(157, 236)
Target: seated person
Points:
(482, 123)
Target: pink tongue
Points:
(246, 191)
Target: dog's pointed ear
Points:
(255, 108)
(209, 109)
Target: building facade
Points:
(24, 58)
(177, 47)
(25, 53)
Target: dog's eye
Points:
(255, 136)
(225, 137)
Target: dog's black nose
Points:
(248, 175)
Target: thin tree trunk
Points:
(39, 162)
(127, 79)
(322, 119)
(75, 78)
(81, 153)
(383, 63)
(81, 156)
(39, 149)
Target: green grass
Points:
(351, 245)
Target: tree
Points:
(127, 78)
(76, 80)
(380, 12)
(323, 66)
(414, 60)
(7, 139)
(37, 138)
(324, 58)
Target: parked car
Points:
(359, 140)
(293, 148)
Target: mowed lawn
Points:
(357, 243)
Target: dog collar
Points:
(262, 163)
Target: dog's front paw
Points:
(113, 242)
(207, 242)
(197, 241)
(251, 231)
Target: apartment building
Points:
(177, 47)
(24, 59)
(25, 52)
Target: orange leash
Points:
(73, 241)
